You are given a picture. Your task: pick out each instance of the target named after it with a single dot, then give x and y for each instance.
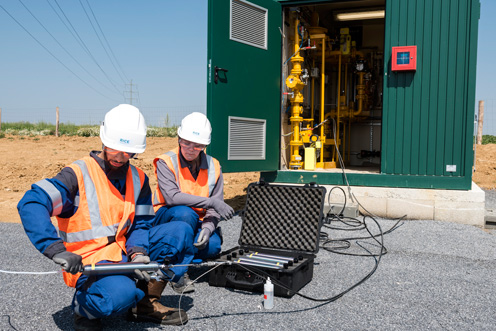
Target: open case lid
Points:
(286, 217)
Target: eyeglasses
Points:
(190, 145)
(111, 151)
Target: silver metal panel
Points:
(248, 23)
(247, 138)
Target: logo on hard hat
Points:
(124, 141)
(196, 133)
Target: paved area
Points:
(435, 275)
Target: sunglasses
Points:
(190, 145)
(111, 151)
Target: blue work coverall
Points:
(105, 295)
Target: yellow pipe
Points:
(360, 94)
(294, 82)
(349, 139)
(336, 142)
(322, 100)
(346, 85)
(312, 90)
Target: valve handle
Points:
(216, 73)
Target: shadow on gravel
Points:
(64, 318)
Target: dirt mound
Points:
(485, 166)
(26, 160)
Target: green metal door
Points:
(243, 83)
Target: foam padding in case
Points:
(283, 217)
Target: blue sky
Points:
(486, 70)
(161, 45)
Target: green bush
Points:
(69, 129)
(487, 139)
(92, 131)
(153, 131)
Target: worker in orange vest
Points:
(190, 190)
(104, 213)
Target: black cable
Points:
(326, 244)
(8, 320)
(329, 198)
(376, 258)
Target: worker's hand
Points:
(203, 239)
(141, 275)
(223, 209)
(69, 261)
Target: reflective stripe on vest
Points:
(136, 182)
(144, 210)
(54, 195)
(140, 210)
(211, 175)
(173, 157)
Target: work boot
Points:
(183, 285)
(149, 309)
(82, 323)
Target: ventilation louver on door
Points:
(246, 139)
(248, 23)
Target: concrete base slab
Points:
(465, 207)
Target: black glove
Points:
(69, 261)
(223, 209)
(141, 275)
(203, 239)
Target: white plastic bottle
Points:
(268, 294)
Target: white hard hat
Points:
(124, 129)
(195, 127)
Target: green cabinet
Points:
(426, 115)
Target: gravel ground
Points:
(435, 275)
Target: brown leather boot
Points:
(149, 309)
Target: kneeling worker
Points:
(104, 212)
(190, 190)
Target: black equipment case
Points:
(283, 222)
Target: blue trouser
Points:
(171, 238)
(100, 296)
(178, 228)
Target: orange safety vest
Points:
(102, 215)
(203, 186)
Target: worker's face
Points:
(190, 150)
(116, 158)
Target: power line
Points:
(100, 40)
(83, 45)
(108, 45)
(46, 49)
(68, 53)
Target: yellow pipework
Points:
(336, 142)
(360, 93)
(320, 164)
(294, 82)
(312, 97)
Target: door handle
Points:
(216, 73)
